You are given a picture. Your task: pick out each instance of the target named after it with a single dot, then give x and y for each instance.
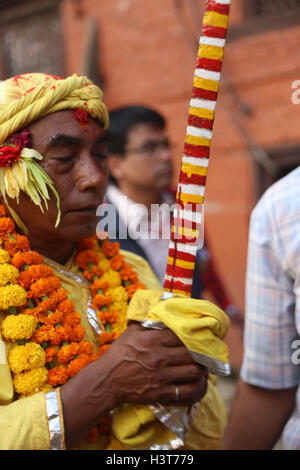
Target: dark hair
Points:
(122, 120)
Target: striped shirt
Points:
(272, 329)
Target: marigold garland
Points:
(49, 346)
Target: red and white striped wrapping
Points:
(187, 218)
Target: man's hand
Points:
(146, 365)
(143, 367)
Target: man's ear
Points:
(115, 165)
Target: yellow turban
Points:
(29, 97)
(23, 100)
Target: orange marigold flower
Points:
(36, 312)
(106, 337)
(42, 334)
(85, 257)
(50, 353)
(55, 298)
(66, 353)
(66, 306)
(34, 273)
(85, 347)
(22, 242)
(54, 317)
(101, 300)
(77, 364)
(94, 271)
(98, 285)
(117, 262)
(59, 334)
(15, 243)
(43, 287)
(87, 244)
(28, 257)
(77, 333)
(110, 249)
(72, 319)
(57, 376)
(127, 274)
(110, 316)
(6, 225)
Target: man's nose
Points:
(88, 173)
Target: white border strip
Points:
(199, 132)
(204, 162)
(185, 214)
(209, 41)
(184, 248)
(193, 189)
(188, 282)
(208, 74)
(206, 104)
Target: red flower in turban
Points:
(9, 155)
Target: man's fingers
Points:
(183, 374)
(187, 393)
(178, 357)
(169, 339)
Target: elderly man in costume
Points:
(88, 358)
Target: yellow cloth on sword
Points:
(201, 326)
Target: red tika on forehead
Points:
(82, 117)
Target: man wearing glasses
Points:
(141, 171)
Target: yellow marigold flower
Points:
(15, 327)
(121, 308)
(119, 327)
(30, 382)
(29, 356)
(104, 265)
(118, 294)
(12, 296)
(46, 388)
(4, 256)
(112, 278)
(8, 274)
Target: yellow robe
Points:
(24, 422)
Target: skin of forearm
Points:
(257, 417)
(84, 402)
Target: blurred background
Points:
(144, 52)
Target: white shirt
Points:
(150, 231)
